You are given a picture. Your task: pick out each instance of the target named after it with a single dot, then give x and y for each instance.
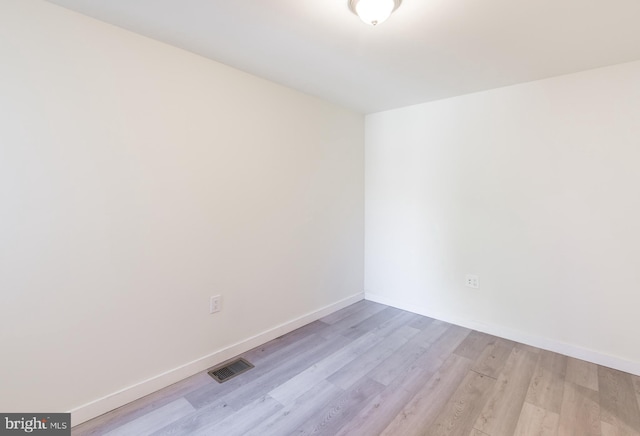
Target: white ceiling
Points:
(427, 50)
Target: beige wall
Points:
(536, 189)
(137, 180)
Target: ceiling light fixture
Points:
(373, 12)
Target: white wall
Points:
(536, 189)
(137, 180)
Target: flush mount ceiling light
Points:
(373, 12)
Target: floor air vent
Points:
(229, 370)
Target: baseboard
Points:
(518, 336)
(120, 398)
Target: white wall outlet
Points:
(472, 281)
(215, 304)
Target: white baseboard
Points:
(117, 399)
(518, 336)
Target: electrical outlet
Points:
(472, 281)
(215, 304)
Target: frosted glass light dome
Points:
(373, 12)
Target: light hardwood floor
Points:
(370, 369)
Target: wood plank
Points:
(341, 410)
(290, 418)
(537, 421)
(501, 413)
(580, 412)
(288, 391)
(292, 357)
(608, 429)
(429, 362)
(267, 355)
(401, 321)
(421, 322)
(349, 374)
(474, 345)
(493, 358)
(378, 412)
(425, 406)
(111, 420)
(612, 430)
(528, 348)
(244, 420)
(260, 384)
(445, 343)
(155, 420)
(200, 418)
(432, 333)
(618, 401)
(371, 323)
(343, 326)
(410, 360)
(582, 373)
(461, 411)
(547, 384)
(341, 314)
(266, 350)
(388, 370)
